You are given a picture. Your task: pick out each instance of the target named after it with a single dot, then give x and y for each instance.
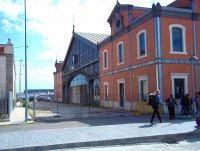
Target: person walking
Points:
(198, 109)
(170, 103)
(155, 106)
(185, 103)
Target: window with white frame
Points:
(105, 59)
(141, 44)
(106, 91)
(120, 52)
(143, 88)
(177, 39)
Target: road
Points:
(79, 122)
(187, 145)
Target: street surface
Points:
(97, 130)
(46, 111)
(187, 145)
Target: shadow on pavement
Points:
(146, 126)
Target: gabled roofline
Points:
(171, 4)
(76, 35)
(163, 11)
(118, 7)
(70, 43)
(127, 7)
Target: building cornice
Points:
(151, 62)
(155, 11)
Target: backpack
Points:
(151, 99)
(155, 102)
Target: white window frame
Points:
(105, 84)
(105, 51)
(138, 44)
(183, 39)
(179, 76)
(120, 43)
(119, 81)
(142, 78)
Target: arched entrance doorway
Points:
(78, 90)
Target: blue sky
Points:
(49, 25)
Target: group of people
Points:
(171, 104)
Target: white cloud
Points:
(11, 9)
(10, 26)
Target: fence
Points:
(6, 104)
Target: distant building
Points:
(81, 69)
(149, 49)
(37, 92)
(7, 76)
(58, 81)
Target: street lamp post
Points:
(25, 40)
(20, 74)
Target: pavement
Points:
(169, 132)
(139, 131)
(46, 111)
(17, 116)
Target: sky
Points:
(49, 30)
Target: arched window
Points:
(105, 59)
(141, 44)
(78, 80)
(120, 52)
(177, 39)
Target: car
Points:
(31, 98)
(44, 98)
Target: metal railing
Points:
(6, 104)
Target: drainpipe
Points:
(156, 10)
(112, 74)
(195, 43)
(130, 56)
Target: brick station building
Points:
(58, 81)
(149, 49)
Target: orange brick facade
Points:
(161, 67)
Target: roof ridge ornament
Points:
(156, 9)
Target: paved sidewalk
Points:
(95, 135)
(17, 116)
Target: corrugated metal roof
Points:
(92, 37)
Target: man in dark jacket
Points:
(170, 103)
(155, 104)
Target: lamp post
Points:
(20, 74)
(26, 91)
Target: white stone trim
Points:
(183, 38)
(105, 51)
(138, 44)
(181, 76)
(142, 78)
(120, 43)
(119, 81)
